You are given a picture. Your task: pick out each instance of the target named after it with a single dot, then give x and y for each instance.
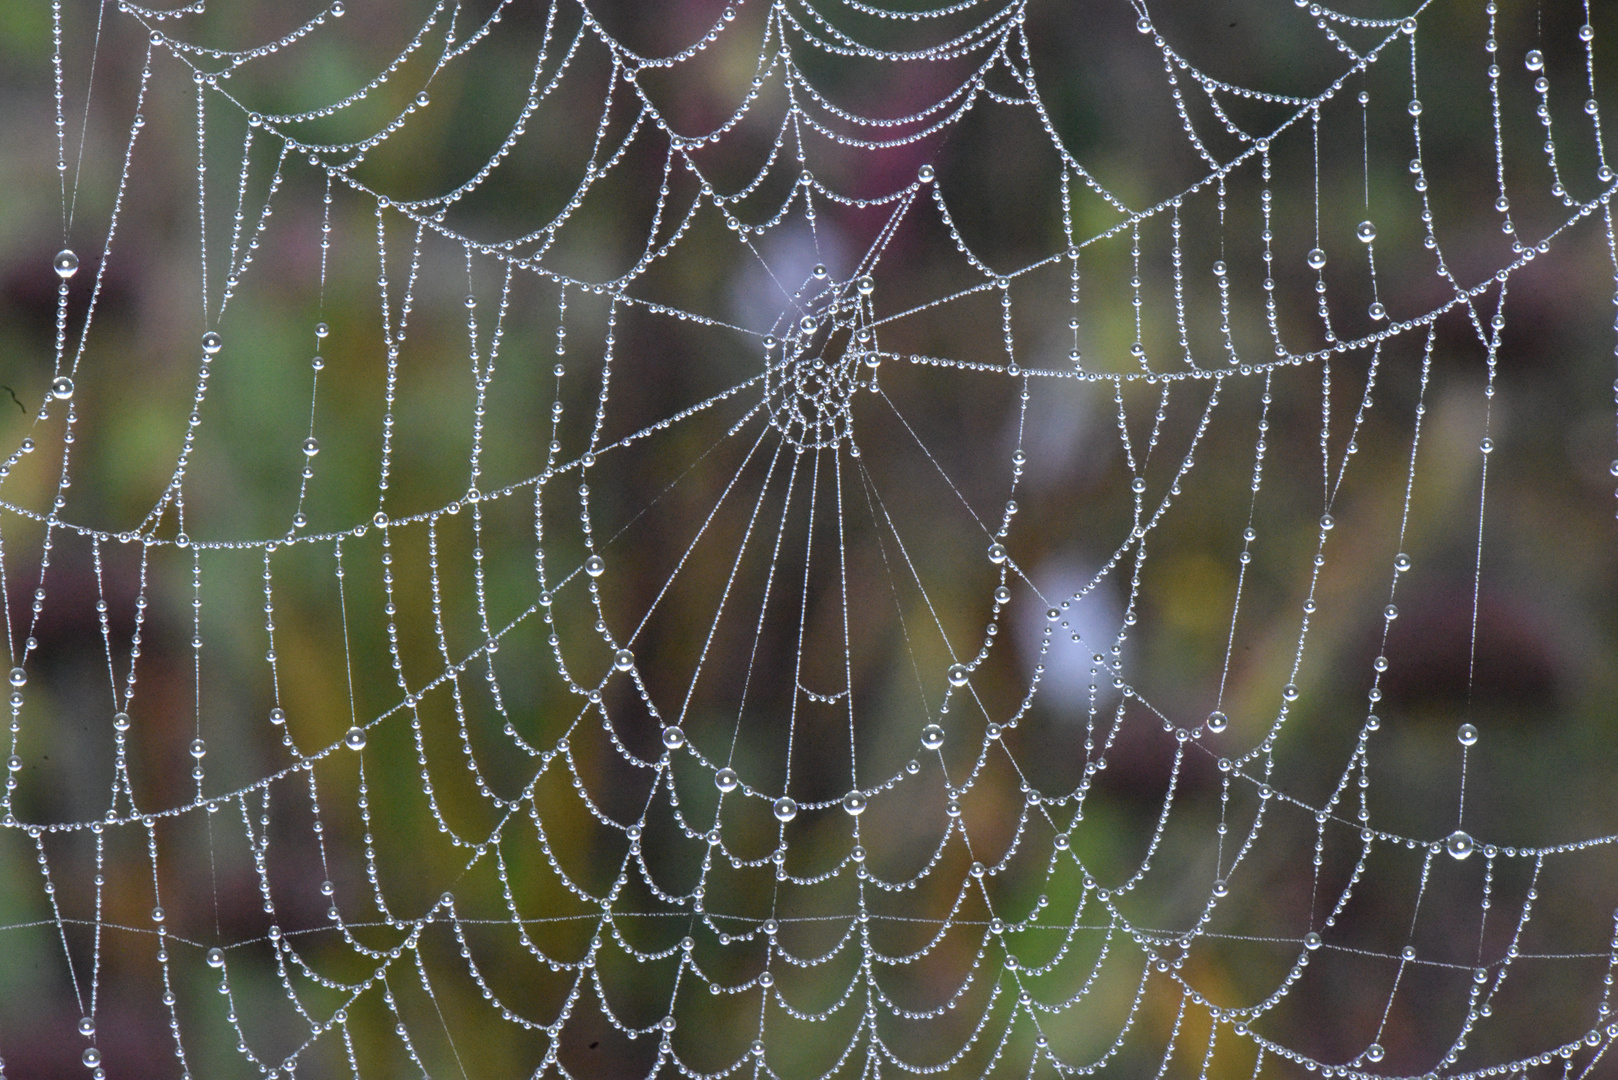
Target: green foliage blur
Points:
(1510, 625)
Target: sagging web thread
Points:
(715, 709)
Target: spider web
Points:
(810, 539)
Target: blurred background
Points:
(473, 251)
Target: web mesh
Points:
(808, 539)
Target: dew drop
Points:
(321, 330)
(932, 736)
(18, 676)
(421, 100)
(1290, 692)
(867, 285)
(1317, 258)
(61, 388)
(212, 342)
(1534, 60)
(623, 660)
(1311, 941)
(1220, 888)
(1401, 562)
(157, 914)
(854, 803)
(120, 721)
(1217, 721)
(807, 324)
(1466, 735)
(1459, 845)
(87, 1027)
(1002, 595)
(1373, 1052)
(997, 553)
(1219, 268)
(673, 737)
(1144, 25)
(216, 957)
(925, 174)
(310, 446)
(66, 264)
(199, 749)
(726, 780)
(91, 1057)
(1366, 232)
(957, 674)
(355, 739)
(785, 809)
(594, 566)
(1378, 312)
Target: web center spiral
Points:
(812, 372)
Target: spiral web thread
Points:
(638, 689)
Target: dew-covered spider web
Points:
(808, 538)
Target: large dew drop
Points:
(932, 736)
(355, 739)
(66, 264)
